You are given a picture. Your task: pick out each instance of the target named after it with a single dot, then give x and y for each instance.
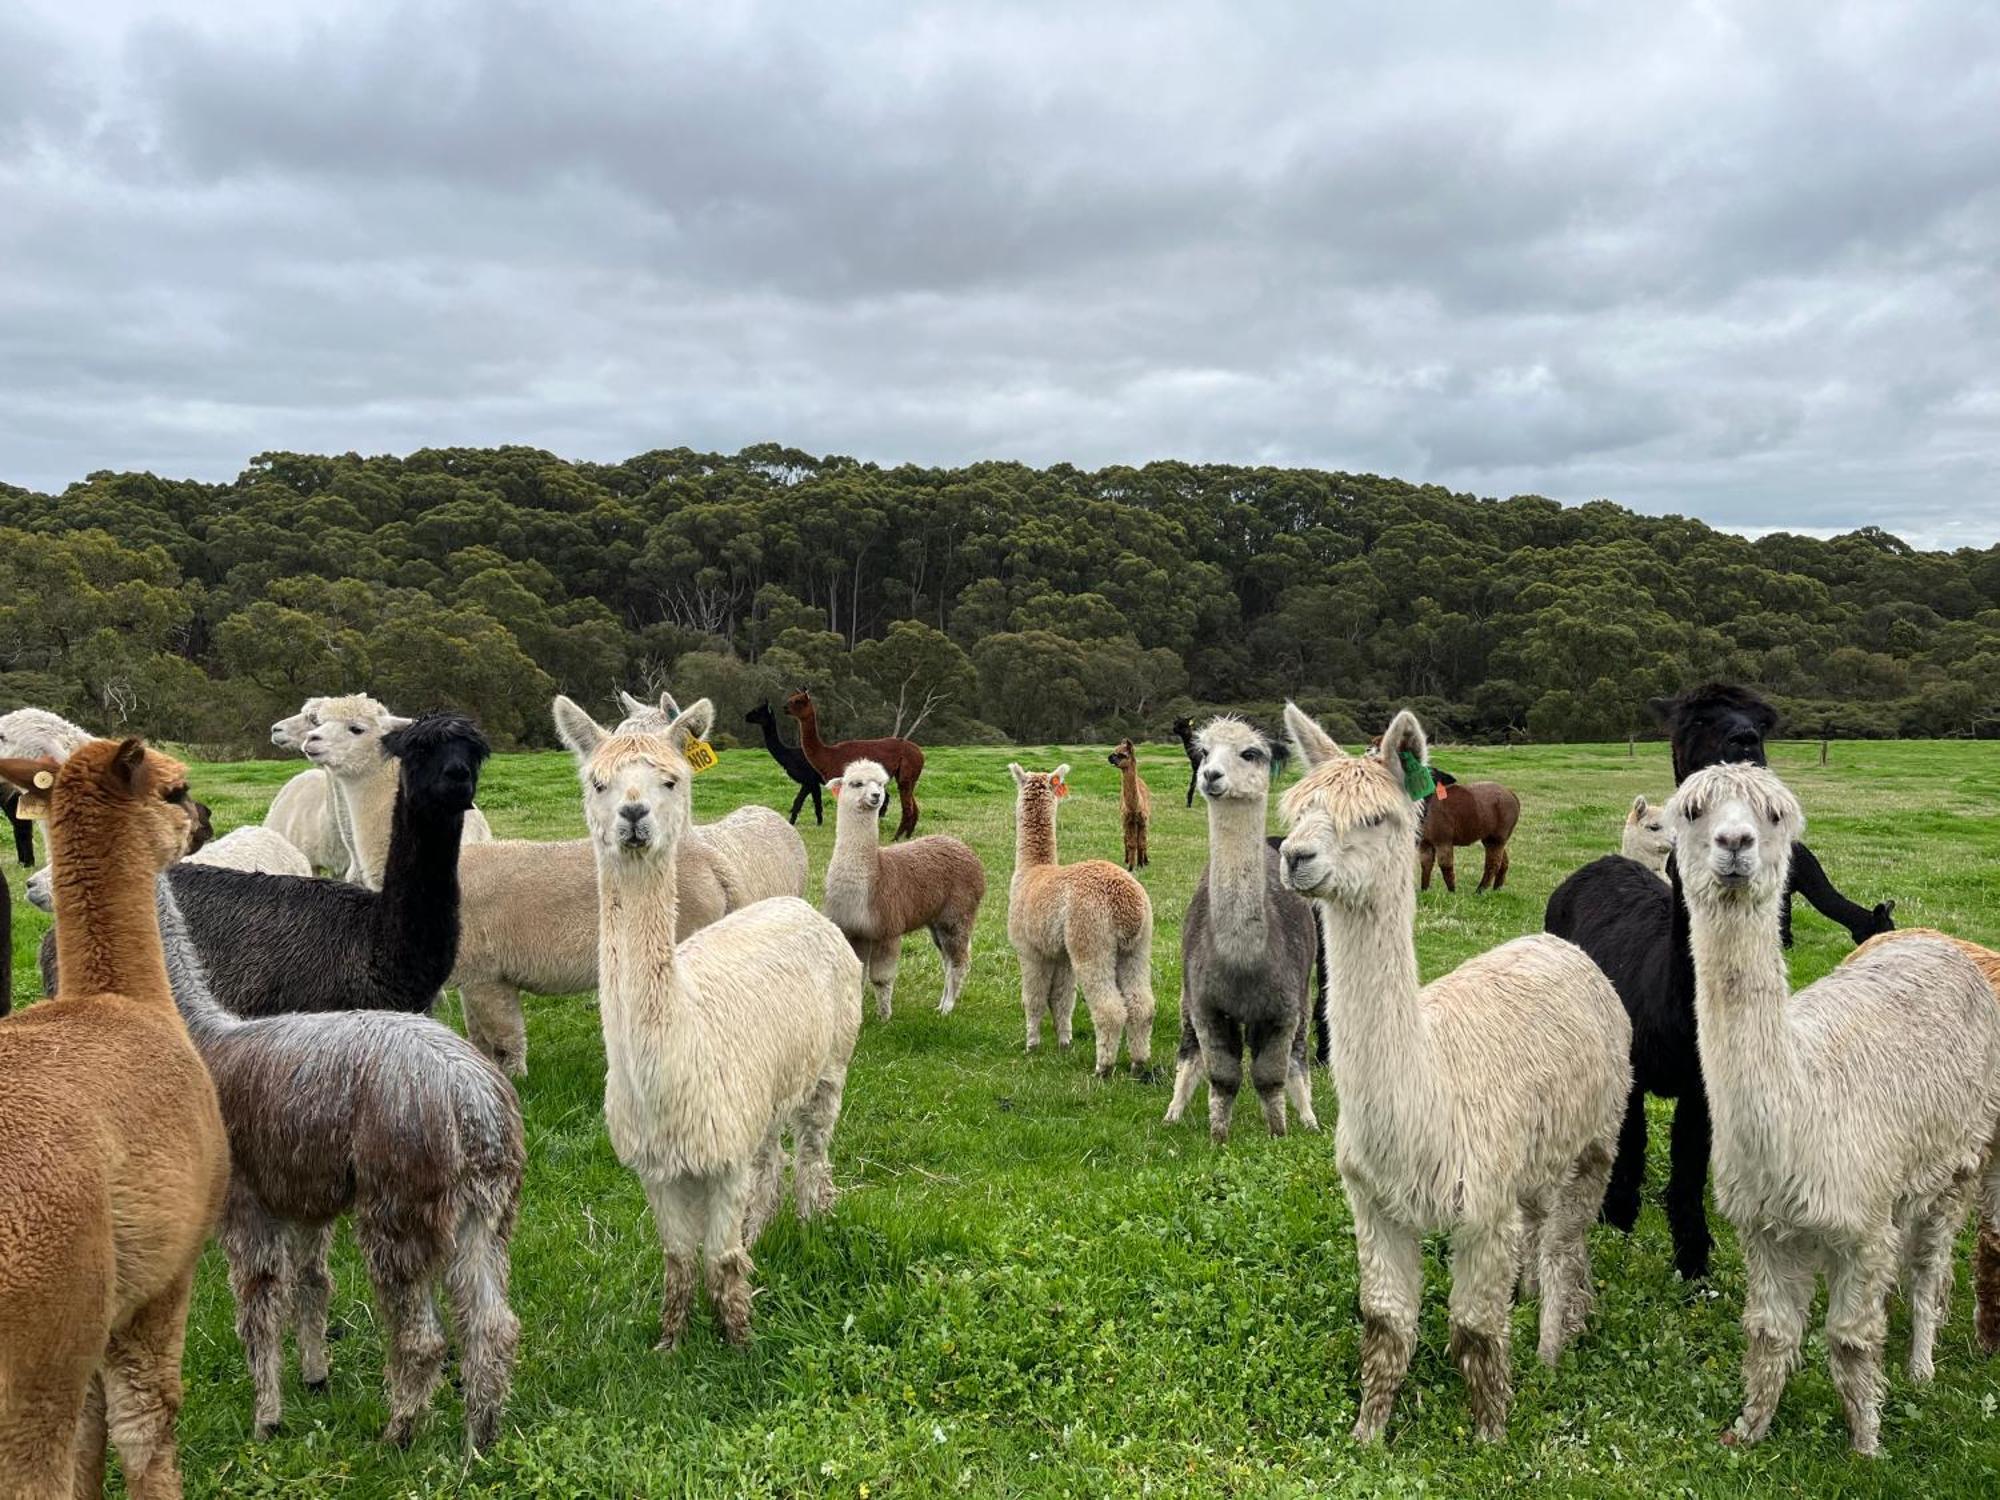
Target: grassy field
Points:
(1032, 1287)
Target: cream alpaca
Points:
(1486, 1103)
(1647, 838)
(346, 743)
(307, 811)
(1135, 804)
(713, 1047)
(1851, 1118)
(1088, 924)
(876, 895)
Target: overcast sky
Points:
(1738, 261)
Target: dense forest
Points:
(958, 604)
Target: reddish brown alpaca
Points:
(1135, 803)
(900, 758)
(113, 1160)
(1468, 812)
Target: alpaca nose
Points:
(1295, 859)
(1210, 780)
(1734, 840)
(634, 812)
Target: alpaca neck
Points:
(857, 858)
(640, 981)
(1034, 837)
(1236, 886)
(207, 1022)
(416, 915)
(107, 935)
(370, 801)
(1385, 1065)
(809, 740)
(772, 740)
(1756, 1085)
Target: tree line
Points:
(978, 603)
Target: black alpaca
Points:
(1635, 927)
(24, 831)
(278, 944)
(1184, 731)
(791, 758)
(6, 944)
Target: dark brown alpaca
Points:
(1135, 803)
(113, 1160)
(1468, 812)
(900, 758)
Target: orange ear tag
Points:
(834, 787)
(1062, 787)
(700, 755)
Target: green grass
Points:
(1030, 1286)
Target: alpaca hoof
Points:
(399, 1432)
(1922, 1373)
(667, 1343)
(1733, 1436)
(1491, 1432)
(1368, 1433)
(1621, 1216)
(317, 1387)
(1218, 1137)
(944, 1007)
(1101, 1073)
(264, 1431)
(1145, 1073)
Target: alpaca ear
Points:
(1061, 772)
(393, 722)
(129, 764)
(29, 775)
(1020, 776)
(693, 723)
(1662, 710)
(669, 707)
(1404, 733)
(1313, 744)
(576, 729)
(1638, 809)
(630, 704)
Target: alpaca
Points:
(347, 744)
(714, 1046)
(389, 1118)
(113, 1159)
(278, 944)
(6, 945)
(1088, 924)
(1646, 840)
(307, 813)
(1184, 732)
(37, 734)
(1486, 1103)
(251, 848)
(877, 895)
(1636, 930)
(1246, 947)
(1851, 1118)
(902, 759)
(793, 761)
(1462, 813)
(1135, 803)
(24, 829)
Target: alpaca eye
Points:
(1774, 817)
(1377, 821)
(354, 729)
(1253, 755)
(598, 786)
(670, 783)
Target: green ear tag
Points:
(1418, 780)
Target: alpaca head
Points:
(1236, 760)
(1184, 730)
(124, 791)
(441, 755)
(35, 733)
(1350, 819)
(635, 784)
(1647, 837)
(645, 718)
(289, 734)
(799, 704)
(1124, 756)
(762, 716)
(1734, 826)
(864, 786)
(1715, 724)
(1039, 791)
(347, 739)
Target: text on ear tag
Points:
(700, 755)
(32, 805)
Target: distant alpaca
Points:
(394, 1120)
(307, 811)
(1646, 840)
(24, 829)
(1135, 803)
(1246, 947)
(1088, 924)
(1487, 1101)
(348, 746)
(37, 734)
(793, 761)
(714, 1046)
(1851, 1118)
(876, 895)
(1184, 732)
(900, 758)
(113, 1160)
(1462, 813)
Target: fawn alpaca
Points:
(1135, 803)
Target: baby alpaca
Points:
(1646, 840)
(876, 895)
(1486, 1103)
(1135, 803)
(1088, 924)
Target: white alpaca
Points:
(1647, 839)
(1486, 1103)
(306, 811)
(714, 1047)
(346, 742)
(250, 848)
(35, 734)
(1851, 1119)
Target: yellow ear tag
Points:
(699, 754)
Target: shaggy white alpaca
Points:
(35, 733)
(1486, 1103)
(1851, 1119)
(1647, 839)
(346, 743)
(252, 848)
(306, 811)
(715, 1046)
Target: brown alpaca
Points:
(113, 1161)
(900, 758)
(1469, 812)
(1135, 803)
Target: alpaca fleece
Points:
(1247, 948)
(113, 1160)
(1851, 1119)
(877, 895)
(791, 761)
(901, 758)
(1135, 804)
(394, 1120)
(1486, 1102)
(1088, 924)
(1471, 812)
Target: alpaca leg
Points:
(819, 812)
(258, 1249)
(906, 791)
(1929, 1285)
(1298, 1071)
(1060, 999)
(767, 1183)
(1778, 1293)
(495, 1025)
(1534, 1216)
(142, 1394)
(1489, 871)
(724, 1255)
(812, 1176)
(1427, 858)
(1190, 795)
(1500, 875)
(1986, 1255)
(312, 1294)
(1628, 1173)
(677, 1215)
(1392, 1278)
(882, 960)
(92, 1434)
(488, 1332)
(1567, 1295)
(954, 945)
(1098, 974)
(1222, 1051)
(1187, 1066)
(1270, 1050)
(1687, 1184)
(1135, 989)
(1448, 868)
(1856, 1321)
(416, 1352)
(798, 804)
(1484, 1258)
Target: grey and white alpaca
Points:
(1247, 946)
(395, 1120)
(1851, 1120)
(1486, 1103)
